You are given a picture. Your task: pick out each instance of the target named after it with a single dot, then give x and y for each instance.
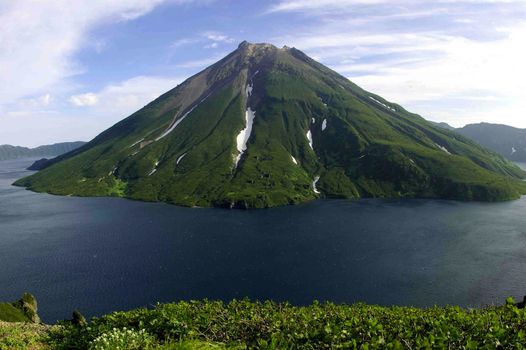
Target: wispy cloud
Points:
(443, 66)
(183, 42)
(209, 40)
(92, 112)
(202, 63)
(39, 43)
(123, 98)
(217, 37)
(347, 5)
(83, 100)
(456, 60)
(39, 39)
(311, 5)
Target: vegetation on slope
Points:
(245, 324)
(10, 313)
(242, 324)
(23, 310)
(20, 326)
(363, 145)
(23, 335)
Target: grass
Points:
(23, 310)
(10, 313)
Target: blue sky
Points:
(70, 69)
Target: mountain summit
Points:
(269, 126)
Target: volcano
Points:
(268, 126)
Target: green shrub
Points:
(122, 339)
(272, 325)
(24, 335)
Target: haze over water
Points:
(106, 254)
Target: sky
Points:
(71, 69)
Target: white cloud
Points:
(182, 42)
(217, 37)
(45, 99)
(346, 5)
(39, 39)
(457, 70)
(124, 98)
(212, 46)
(37, 102)
(106, 107)
(467, 70)
(83, 100)
(309, 5)
(38, 43)
(212, 37)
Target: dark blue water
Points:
(105, 254)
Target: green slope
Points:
(363, 146)
(10, 313)
(23, 310)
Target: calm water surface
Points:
(105, 254)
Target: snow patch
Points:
(513, 150)
(382, 104)
(248, 89)
(412, 161)
(154, 168)
(250, 86)
(313, 121)
(324, 124)
(112, 172)
(178, 121)
(294, 159)
(314, 188)
(244, 135)
(309, 137)
(360, 157)
(180, 158)
(443, 148)
(136, 142)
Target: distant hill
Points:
(444, 125)
(506, 140)
(14, 152)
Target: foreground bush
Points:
(129, 339)
(245, 324)
(24, 335)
